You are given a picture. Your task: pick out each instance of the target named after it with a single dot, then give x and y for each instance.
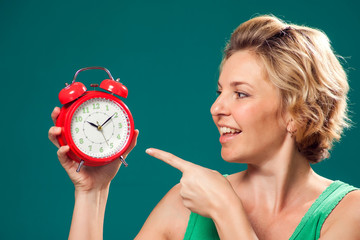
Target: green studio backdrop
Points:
(167, 53)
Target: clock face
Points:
(100, 127)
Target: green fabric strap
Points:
(311, 224)
(202, 228)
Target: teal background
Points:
(167, 53)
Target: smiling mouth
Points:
(227, 134)
(227, 130)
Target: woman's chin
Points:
(230, 156)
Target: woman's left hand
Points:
(204, 191)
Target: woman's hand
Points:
(203, 191)
(89, 178)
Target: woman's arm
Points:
(91, 193)
(91, 188)
(168, 220)
(88, 216)
(208, 193)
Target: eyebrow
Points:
(236, 83)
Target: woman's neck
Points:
(282, 181)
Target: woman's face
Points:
(247, 111)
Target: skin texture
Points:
(267, 201)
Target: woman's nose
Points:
(219, 107)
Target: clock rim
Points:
(88, 160)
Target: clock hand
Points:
(99, 128)
(107, 120)
(104, 137)
(92, 124)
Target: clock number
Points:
(90, 147)
(86, 110)
(78, 119)
(111, 145)
(115, 115)
(101, 149)
(118, 136)
(96, 105)
(107, 108)
(77, 130)
(120, 125)
(81, 141)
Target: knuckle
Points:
(51, 131)
(181, 193)
(187, 203)
(184, 181)
(59, 153)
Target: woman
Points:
(281, 104)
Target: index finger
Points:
(170, 159)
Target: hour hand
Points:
(92, 124)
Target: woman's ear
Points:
(291, 126)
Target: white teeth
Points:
(224, 130)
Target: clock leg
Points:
(123, 161)
(80, 164)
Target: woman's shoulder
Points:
(344, 220)
(348, 206)
(235, 178)
(169, 218)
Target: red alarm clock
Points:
(97, 126)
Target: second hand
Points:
(100, 129)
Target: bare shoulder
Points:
(344, 220)
(168, 220)
(235, 177)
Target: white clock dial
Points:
(100, 127)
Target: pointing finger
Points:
(170, 159)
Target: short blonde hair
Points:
(313, 85)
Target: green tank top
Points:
(202, 228)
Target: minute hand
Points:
(107, 120)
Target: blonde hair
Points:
(313, 85)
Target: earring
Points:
(291, 131)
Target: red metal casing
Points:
(71, 92)
(114, 87)
(64, 121)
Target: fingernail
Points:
(148, 151)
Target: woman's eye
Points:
(241, 94)
(218, 92)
